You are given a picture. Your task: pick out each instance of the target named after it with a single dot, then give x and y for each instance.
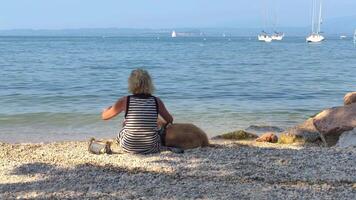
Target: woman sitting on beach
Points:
(140, 132)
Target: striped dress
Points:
(140, 133)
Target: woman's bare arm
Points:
(114, 110)
(164, 112)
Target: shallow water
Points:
(54, 88)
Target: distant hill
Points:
(335, 26)
(117, 32)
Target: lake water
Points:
(54, 88)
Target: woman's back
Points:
(140, 133)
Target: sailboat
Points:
(355, 37)
(277, 36)
(315, 36)
(174, 34)
(264, 37)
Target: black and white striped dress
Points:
(140, 133)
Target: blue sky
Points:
(61, 14)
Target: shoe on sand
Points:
(99, 147)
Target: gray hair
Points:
(140, 82)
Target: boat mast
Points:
(319, 22)
(313, 15)
(274, 16)
(264, 15)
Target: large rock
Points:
(302, 133)
(350, 98)
(331, 123)
(347, 139)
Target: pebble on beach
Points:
(229, 170)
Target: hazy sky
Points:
(59, 14)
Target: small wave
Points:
(264, 128)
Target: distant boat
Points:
(343, 37)
(174, 34)
(277, 36)
(264, 37)
(315, 36)
(355, 37)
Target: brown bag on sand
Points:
(99, 146)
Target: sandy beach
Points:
(231, 170)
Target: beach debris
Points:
(350, 98)
(237, 135)
(268, 137)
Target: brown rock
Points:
(350, 98)
(331, 123)
(237, 135)
(268, 137)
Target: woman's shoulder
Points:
(123, 99)
(159, 101)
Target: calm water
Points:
(54, 88)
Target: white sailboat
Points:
(277, 36)
(174, 34)
(264, 37)
(342, 37)
(315, 36)
(355, 37)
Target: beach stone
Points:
(347, 139)
(237, 135)
(268, 137)
(331, 123)
(302, 133)
(287, 138)
(350, 98)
